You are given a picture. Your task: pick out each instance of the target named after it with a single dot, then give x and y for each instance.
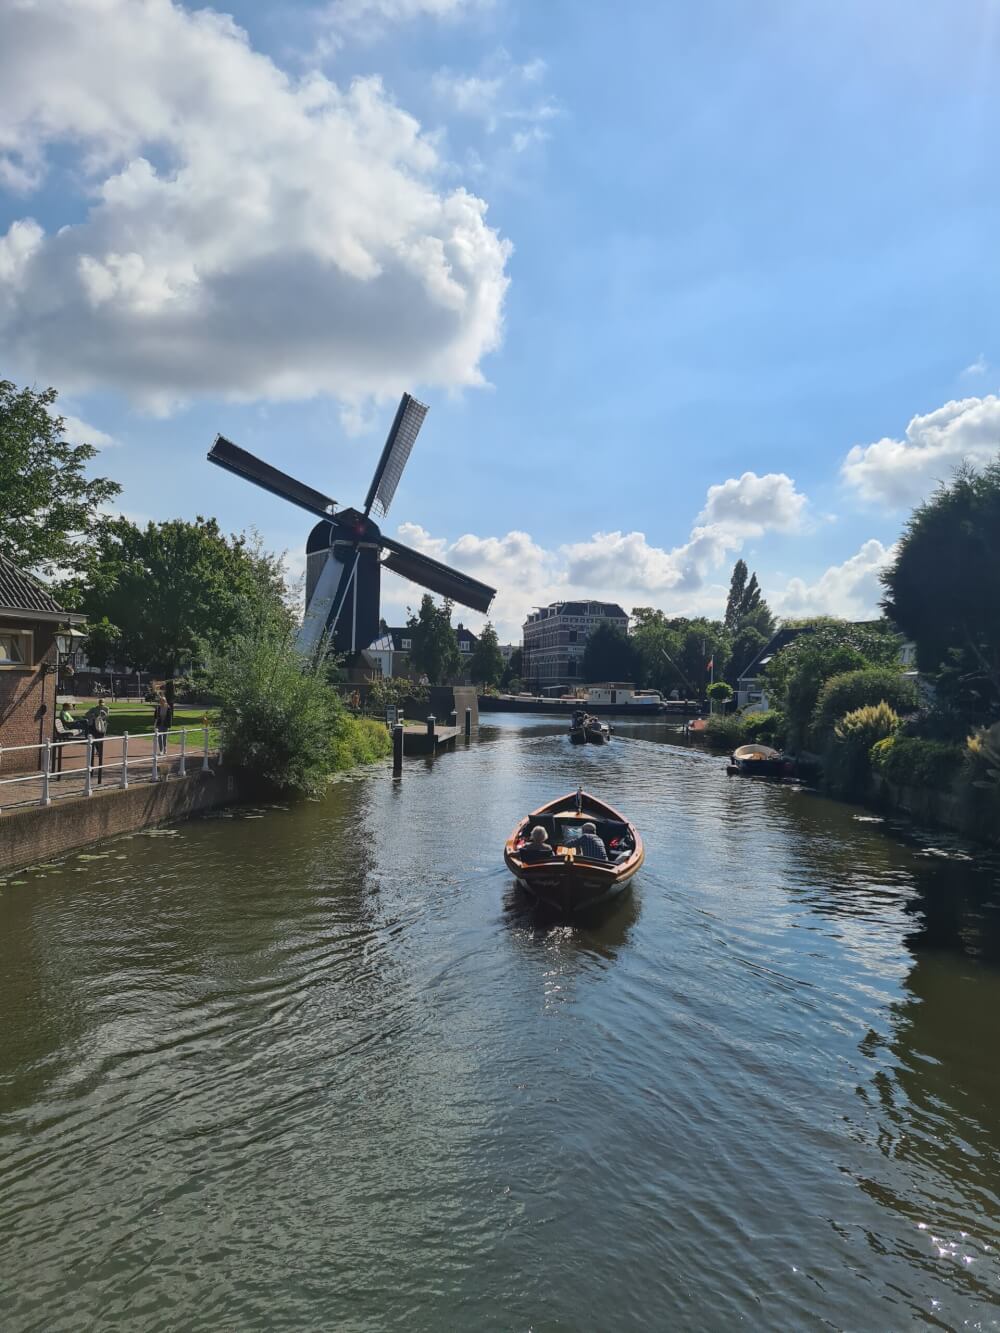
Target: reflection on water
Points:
(322, 1065)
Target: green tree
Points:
(747, 645)
(943, 588)
(513, 669)
(434, 648)
(159, 594)
(737, 589)
(827, 647)
(745, 605)
(609, 655)
(49, 508)
(852, 690)
(720, 692)
(487, 666)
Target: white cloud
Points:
(615, 566)
(903, 472)
(81, 432)
(365, 20)
(249, 234)
(851, 590)
(979, 367)
(502, 95)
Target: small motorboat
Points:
(568, 881)
(584, 729)
(759, 761)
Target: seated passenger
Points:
(69, 722)
(537, 848)
(590, 845)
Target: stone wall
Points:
(28, 700)
(38, 833)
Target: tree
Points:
(745, 605)
(852, 690)
(737, 588)
(434, 648)
(747, 645)
(794, 676)
(49, 507)
(512, 670)
(609, 655)
(720, 693)
(675, 653)
(158, 595)
(943, 588)
(487, 665)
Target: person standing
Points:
(97, 724)
(163, 719)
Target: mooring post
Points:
(468, 723)
(397, 750)
(431, 723)
(453, 718)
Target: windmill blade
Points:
(436, 577)
(234, 459)
(409, 418)
(323, 607)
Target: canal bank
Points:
(281, 1054)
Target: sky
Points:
(680, 283)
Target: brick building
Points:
(29, 622)
(556, 635)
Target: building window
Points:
(465, 646)
(15, 648)
(406, 644)
(572, 636)
(571, 668)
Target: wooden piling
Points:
(397, 750)
(468, 723)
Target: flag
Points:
(710, 664)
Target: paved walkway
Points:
(69, 768)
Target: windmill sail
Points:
(321, 604)
(234, 459)
(405, 428)
(436, 577)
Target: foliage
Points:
(747, 645)
(910, 761)
(768, 727)
(983, 756)
(359, 740)
(943, 588)
(50, 508)
(673, 654)
(393, 691)
(725, 732)
(434, 651)
(513, 669)
(279, 720)
(609, 655)
(720, 692)
(848, 757)
(850, 690)
(487, 663)
(171, 587)
(745, 605)
(797, 672)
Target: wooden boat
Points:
(759, 761)
(586, 729)
(567, 881)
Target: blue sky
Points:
(657, 269)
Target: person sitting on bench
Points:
(70, 723)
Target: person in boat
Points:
(537, 847)
(588, 844)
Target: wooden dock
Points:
(417, 740)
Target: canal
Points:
(317, 1067)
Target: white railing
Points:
(79, 767)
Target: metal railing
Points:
(57, 773)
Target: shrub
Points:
(725, 733)
(851, 690)
(911, 761)
(359, 740)
(720, 692)
(983, 757)
(278, 719)
(848, 754)
(768, 727)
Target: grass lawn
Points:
(137, 718)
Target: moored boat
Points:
(759, 761)
(568, 881)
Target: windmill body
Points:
(346, 550)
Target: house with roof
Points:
(555, 637)
(30, 619)
(389, 654)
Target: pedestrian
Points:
(97, 723)
(163, 720)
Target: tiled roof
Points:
(20, 592)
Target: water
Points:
(319, 1067)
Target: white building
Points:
(555, 637)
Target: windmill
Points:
(346, 552)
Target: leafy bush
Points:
(983, 757)
(278, 719)
(359, 740)
(768, 727)
(848, 754)
(392, 691)
(851, 690)
(720, 692)
(725, 733)
(911, 761)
